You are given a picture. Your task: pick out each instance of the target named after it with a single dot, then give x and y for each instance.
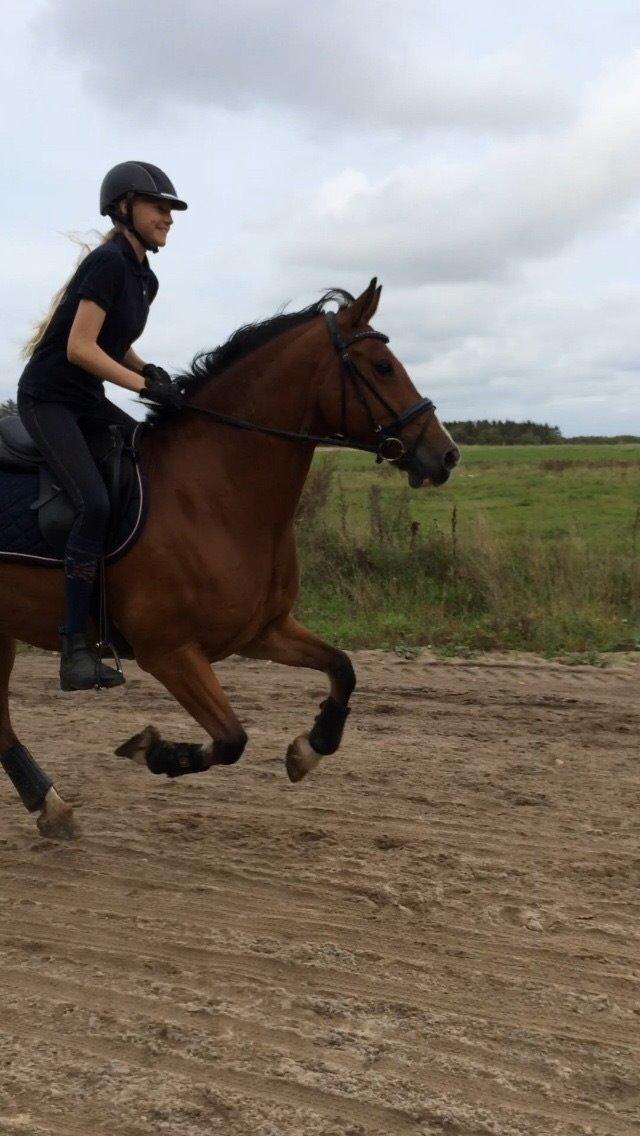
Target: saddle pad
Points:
(20, 536)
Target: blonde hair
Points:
(41, 326)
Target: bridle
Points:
(388, 446)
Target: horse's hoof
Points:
(56, 820)
(301, 758)
(137, 747)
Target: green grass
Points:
(516, 488)
(534, 548)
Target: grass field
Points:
(552, 490)
(529, 547)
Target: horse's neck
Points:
(259, 475)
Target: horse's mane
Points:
(208, 365)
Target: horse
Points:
(214, 571)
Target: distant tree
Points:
(8, 407)
(482, 432)
(601, 440)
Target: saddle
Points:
(36, 514)
(114, 457)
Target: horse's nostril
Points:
(452, 457)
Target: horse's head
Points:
(367, 396)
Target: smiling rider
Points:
(85, 339)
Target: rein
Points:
(389, 447)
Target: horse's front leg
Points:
(289, 642)
(187, 674)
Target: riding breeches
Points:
(61, 431)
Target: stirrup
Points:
(107, 650)
(81, 666)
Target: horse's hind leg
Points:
(289, 642)
(33, 785)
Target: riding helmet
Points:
(137, 177)
(128, 179)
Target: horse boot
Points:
(80, 668)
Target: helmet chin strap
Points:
(126, 219)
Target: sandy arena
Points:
(436, 934)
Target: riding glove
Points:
(159, 387)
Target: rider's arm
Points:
(133, 361)
(83, 349)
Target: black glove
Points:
(159, 387)
(150, 371)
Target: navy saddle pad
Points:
(36, 514)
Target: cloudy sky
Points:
(482, 159)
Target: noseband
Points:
(388, 446)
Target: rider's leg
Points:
(54, 427)
(106, 413)
(81, 564)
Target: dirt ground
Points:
(436, 933)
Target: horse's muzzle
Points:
(423, 467)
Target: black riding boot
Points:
(80, 668)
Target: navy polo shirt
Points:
(113, 277)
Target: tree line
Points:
(483, 432)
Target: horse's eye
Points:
(384, 367)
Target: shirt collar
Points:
(127, 248)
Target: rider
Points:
(85, 339)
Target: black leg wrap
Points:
(326, 734)
(29, 780)
(230, 751)
(176, 758)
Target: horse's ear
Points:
(363, 309)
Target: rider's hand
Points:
(151, 371)
(159, 387)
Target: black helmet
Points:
(128, 179)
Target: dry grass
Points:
(404, 583)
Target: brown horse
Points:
(214, 571)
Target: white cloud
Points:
(530, 353)
(474, 219)
(365, 64)
(467, 153)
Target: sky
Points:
(482, 160)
